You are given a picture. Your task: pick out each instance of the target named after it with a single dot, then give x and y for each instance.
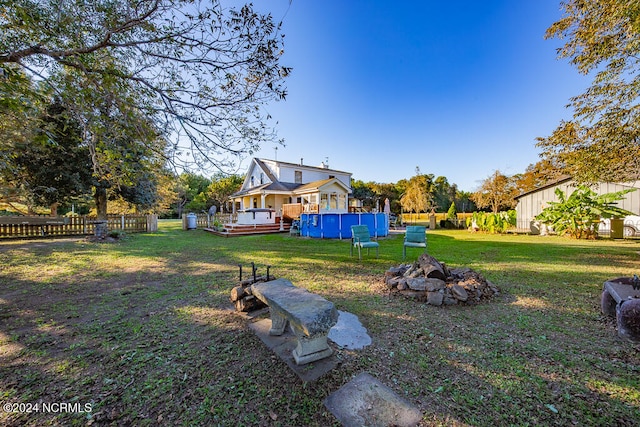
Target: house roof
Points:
(300, 165)
(316, 185)
(566, 178)
(276, 186)
(266, 170)
(288, 187)
(272, 187)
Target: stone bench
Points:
(622, 301)
(309, 315)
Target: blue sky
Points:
(459, 89)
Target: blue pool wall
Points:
(338, 225)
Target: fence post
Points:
(152, 223)
(122, 222)
(84, 224)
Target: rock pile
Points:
(431, 281)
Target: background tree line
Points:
(106, 97)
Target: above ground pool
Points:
(338, 225)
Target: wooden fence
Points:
(39, 226)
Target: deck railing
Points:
(204, 220)
(291, 211)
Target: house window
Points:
(324, 201)
(298, 177)
(252, 181)
(333, 201)
(261, 178)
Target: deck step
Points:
(246, 230)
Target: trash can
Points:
(617, 228)
(192, 221)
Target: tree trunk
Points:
(100, 197)
(54, 209)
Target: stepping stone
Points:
(365, 401)
(349, 333)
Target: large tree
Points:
(16, 129)
(188, 186)
(537, 175)
(602, 142)
(54, 165)
(445, 193)
(418, 196)
(138, 72)
(221, 187)
(497, 192)
(363, 192)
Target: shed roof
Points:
(552, 183)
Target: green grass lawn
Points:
(141, 330)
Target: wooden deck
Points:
(233, 230)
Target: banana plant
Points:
(579, 214)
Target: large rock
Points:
(434, 285)
(459, 292)
(426, 284)
(435, 298)
(417, 284)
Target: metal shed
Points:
(533, 202)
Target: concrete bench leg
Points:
(310, 349)
(278, 323)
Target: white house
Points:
(531, 203)
(273, 188)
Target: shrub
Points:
(492, 222)
(452, 213)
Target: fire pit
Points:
(621, 299)
(433, 282)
